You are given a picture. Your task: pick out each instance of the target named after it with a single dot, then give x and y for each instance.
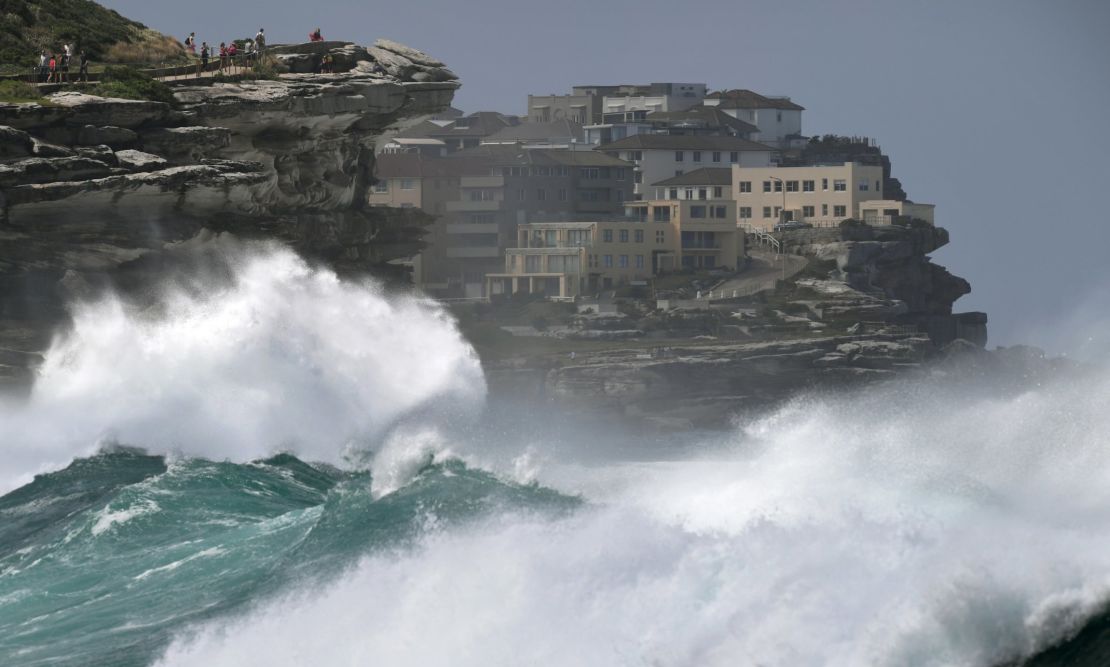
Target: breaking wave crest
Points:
(284, 357)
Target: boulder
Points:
(49, 170)
(185, 144)
(15, 144)
(408, 53)
(133, 160)
(115, 137)
(102, 153)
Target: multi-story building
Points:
(480, 195)
(554, 134)
(820, 195)
(779, 120)
(699, 120)
(661, 156)
(587, 105)
(568, 259)
(578, 107)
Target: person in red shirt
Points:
(232, 51)
(53, 68)
(316, 36)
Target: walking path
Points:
(763, 272)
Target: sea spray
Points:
(910, 525)
(283, 357)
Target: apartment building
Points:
(699, 120)
(659, 156)
(554, 134)
(820, 195)
(568, 259)
(587, 105)
(779, 120)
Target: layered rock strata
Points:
(90, 186)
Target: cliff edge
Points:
(92, 186)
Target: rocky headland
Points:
(96, 191)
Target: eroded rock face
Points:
(90, 185)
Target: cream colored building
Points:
(569, 259)
(886, 211)
(821, 195)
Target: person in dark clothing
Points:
(315, 36)
(203, 58)
(83, 74)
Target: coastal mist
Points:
(293, 469)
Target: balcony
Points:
(701, 245)
(472, 228)
(482, 182)
(474, 252)
(473, 206)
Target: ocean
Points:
(291, 469)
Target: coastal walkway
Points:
(764, 271)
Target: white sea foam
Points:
(893, 528)
(286, 357)
(107, 517)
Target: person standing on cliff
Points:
(203, 58)
(223, 56)
(191, 43)
(43, 71)
(53, 65)
(260, 42)
(83, 74)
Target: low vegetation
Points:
(131, 84)
(17, 92)
(28, 27)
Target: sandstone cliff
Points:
(91, 186)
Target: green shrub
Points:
(132, 84)
(19, 91)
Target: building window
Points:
(807, 186)
(734, 157)
(689, 193)
(703, 193)
(589, 173)
(745, 186)
(766, 186)
(840, 185)
(660, 236)
(541, 195)
(639, 261)
(382, 186)
(639, 235)
(808, 211)
(778, 185)
(697, 211)
(719, 212)
(624, 236)
(678, 156)
(623, 261)
(697, 156)
(562, 194)
(716, 156)
(607, 261)
(745, 212)
(766, 211)
(840, 211)
(825, 210)
(637, 177)
(620, 173)
(636, 155)
(607, 235)
(661, 213)
(825, 184)
(407, 184)
(792, 186)
(864, 186)
(718, 192)
(878, 186)
(620, 195)
(672, 193)
(677, 172)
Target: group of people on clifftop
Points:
(228, 53)
(54, 67)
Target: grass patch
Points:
(131, 84)
(19, 92)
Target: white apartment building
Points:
(661, 156)
(821, 196)
(779, 120)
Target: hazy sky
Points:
(994, 110)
